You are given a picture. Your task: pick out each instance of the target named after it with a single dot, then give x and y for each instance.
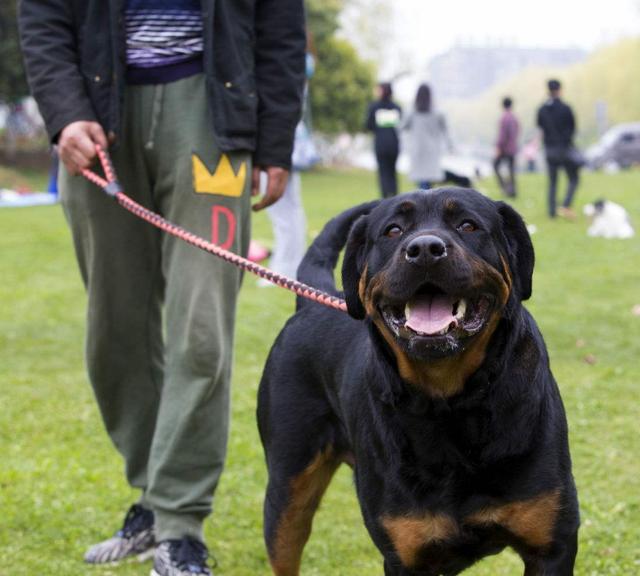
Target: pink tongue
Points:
(430, 314)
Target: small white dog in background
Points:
(608, 220)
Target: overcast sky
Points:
(424, 28)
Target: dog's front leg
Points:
(557, 561)
(395, 569)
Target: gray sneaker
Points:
(134, 539)
(184, 557)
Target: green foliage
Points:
(61, 481)
(340, 89)
(610, 75)
(322, 18)
(343, 83)
(13, 83)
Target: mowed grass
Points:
(61, 481)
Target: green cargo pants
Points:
(160, 321)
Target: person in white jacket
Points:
(428, 140)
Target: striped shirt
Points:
(162, 33)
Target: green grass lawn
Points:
(61, 482)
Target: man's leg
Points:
(387, 174)
(511, 190)
(119, 258)
(207, 193)
(119, 261)
(289, 229)
(497, 163)
(573, 177)
(552, 168)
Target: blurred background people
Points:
(530, 152)
(558, 125)
(383, 119)
(287, 216)
(428, 139)
(506, 148)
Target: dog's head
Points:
(434, 270)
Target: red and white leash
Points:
(112, 187)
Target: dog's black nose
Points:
(426, 249)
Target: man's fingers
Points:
(267, 200)
(80, 161)
(73, 161)
(97, 135)
(85, 146)
(77, 144)
(255, 181)
(277, 181)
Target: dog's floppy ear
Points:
(519, 249)
(353, 266)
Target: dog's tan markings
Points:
(508, 277)
(406, 207)
(369, 293)
(362, 288)
(294, 525)
(486, 275)
(409, 534)
(531, 520)
(439, 378)
(447, 376)
(450, 206)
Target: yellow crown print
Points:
(224, 181)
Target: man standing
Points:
(556, 120)
(507, 147)
(198, 97)
(383, 119)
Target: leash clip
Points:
(113, 188)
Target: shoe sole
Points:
(140, 558)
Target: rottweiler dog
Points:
(436, 389)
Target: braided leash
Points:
(112, 187)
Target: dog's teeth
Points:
(462, 308)
(407, 312)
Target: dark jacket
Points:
(557, 123)
(385, 130)
(74, 52)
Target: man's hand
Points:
(276, 182)
(77, 144)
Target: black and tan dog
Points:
(437, 390)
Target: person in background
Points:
(383, 119)
(557, 123)
(530, 152)
(428, 140)
(287, 216)
(198, 97)
(52, 186)
(289, 223)
(507, 147)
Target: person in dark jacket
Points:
(196, 98)
(557, 122)
(383, 119)
(507, 148)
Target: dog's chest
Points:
(433, 538)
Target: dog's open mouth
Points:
(432, 313)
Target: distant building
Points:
(465, 71)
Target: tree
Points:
(13, 84)
(369, 26)
(342, 85)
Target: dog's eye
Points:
(467, 226)
(393, 231)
